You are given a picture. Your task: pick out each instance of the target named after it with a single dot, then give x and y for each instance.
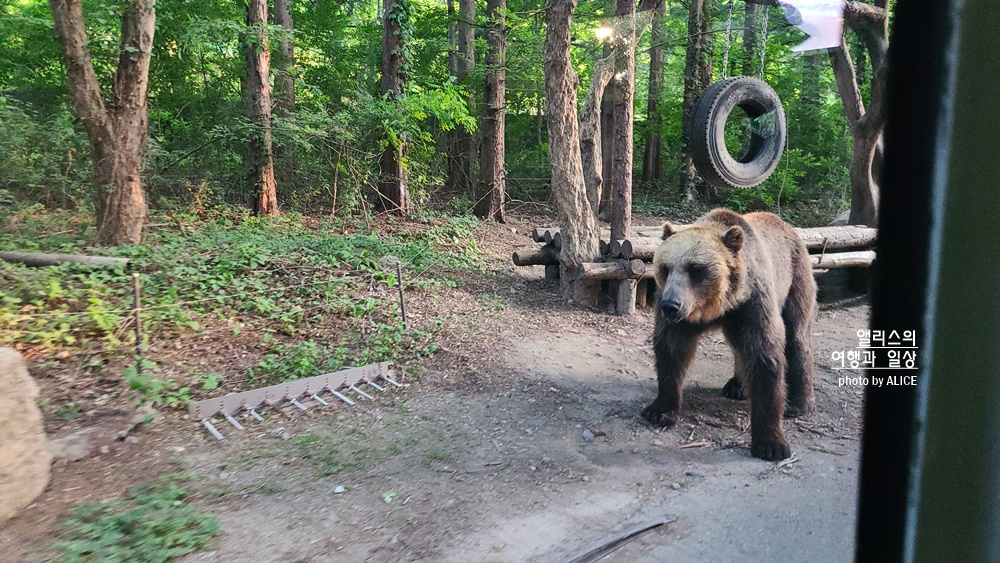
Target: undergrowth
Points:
(156, 523)
(226, 273)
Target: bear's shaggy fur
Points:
(749, 275)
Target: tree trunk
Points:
(284, 86)
(866, 131)
(118, 130)
(260, 160)
(607, 98)
(652, 159)
(491, 167)
(592, 137)
(691, 83)
(750, 57)
(706, 50)
(621, 143)
(393, 193)
(462, 149)
(284, 80)
(622, 147)
(580, 234)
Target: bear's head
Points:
(696, 267)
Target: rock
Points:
(695, 474)
(588, 436)
(339, 489)
(656, 443)
(24, 465)
(105, 450)
(675, 486)
(78, 445)
(546, 459)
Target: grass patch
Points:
(332, 454)
(155, 524)
(280, 273)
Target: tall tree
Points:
(652, 158)
(284, 79)
(492, 183)
(750, 39)
(622, 142)
(397, 29)
(462, 150)
(692, 81)
(706, 40)
(871, 23)
(577, 223)
(117, 128)
(257, 93)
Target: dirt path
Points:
(508, 475)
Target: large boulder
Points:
(24, 465)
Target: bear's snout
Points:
(671, 309)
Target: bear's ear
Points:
(670, 229)
(733, 239)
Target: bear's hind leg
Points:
(798, 315)
(733, 389)
(674, 346)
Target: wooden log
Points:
(838, 238)
(538, 234)
(32, 259)
(616, 270)
(544, 256)
(835, 238)
(639, 249)
(615, 248)
(842, 259)
(625, 297)
(641, 291)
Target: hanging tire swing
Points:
(705, 128)
(707, 132)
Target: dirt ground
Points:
(522, 442)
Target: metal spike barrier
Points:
(291, 392)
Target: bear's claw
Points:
(658, 415)
(733, 389)
(773, 449)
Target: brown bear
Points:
(749, 275)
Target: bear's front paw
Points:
(659, 415)
(771, 449)
(733, 389)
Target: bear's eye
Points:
(665, 271)
(697, 272)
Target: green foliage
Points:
(156, 391)
(327, 149)
(273, 274)
(155, 524)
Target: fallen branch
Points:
(604, 547)
(32, 259)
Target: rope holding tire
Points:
(706, 132)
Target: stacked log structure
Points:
(835, 247)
